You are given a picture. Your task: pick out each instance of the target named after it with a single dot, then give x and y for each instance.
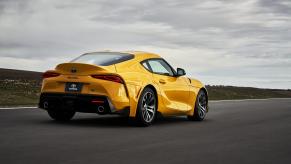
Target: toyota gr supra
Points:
(136, 84)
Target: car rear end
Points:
(89, 83)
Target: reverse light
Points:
(49, 74)
(113, 78)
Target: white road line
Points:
(18, 108)
(279, 98)
(239, 100)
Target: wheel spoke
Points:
(150, 100)
(201, 114)
(202, 108)
(151, 106)
(150, 110)
(144, 114)
(148, 116)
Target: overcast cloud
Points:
(229, 42)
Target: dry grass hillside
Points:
(22, 88)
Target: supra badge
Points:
(136, 84)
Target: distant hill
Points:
(232, 92)
(12, 74)
(18, 87)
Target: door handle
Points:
(162, 81)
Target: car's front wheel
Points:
(200, 107)
(147, 107)
(61, 115)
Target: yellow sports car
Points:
(133, 83)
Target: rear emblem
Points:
(73, 70)
(73, 86)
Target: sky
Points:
(220, 42)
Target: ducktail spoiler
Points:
(83, 69)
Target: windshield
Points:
(103, 58)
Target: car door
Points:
(174, 90)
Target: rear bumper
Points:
(79, 103)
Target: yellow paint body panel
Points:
(177, 97)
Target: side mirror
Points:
(180, 72)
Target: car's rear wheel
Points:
(200, 108)
(61, 115)
(147, 108)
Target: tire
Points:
(200, 109)
(147, 108)
(61, 115)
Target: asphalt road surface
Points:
(255, 131)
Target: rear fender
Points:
(135, 93)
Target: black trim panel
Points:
(76, 102)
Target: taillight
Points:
(113, 78)
(49, 74)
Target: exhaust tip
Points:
(101, 109)
(45, 105)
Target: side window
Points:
(160, 67)
(144, 64)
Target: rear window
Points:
(103, 58)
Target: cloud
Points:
(228, 42)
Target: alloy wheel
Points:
(148, 106)
(202, 105)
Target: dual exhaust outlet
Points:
(101, 109)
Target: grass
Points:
(19, 92)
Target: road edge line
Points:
(4, 108)
(239, 100)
